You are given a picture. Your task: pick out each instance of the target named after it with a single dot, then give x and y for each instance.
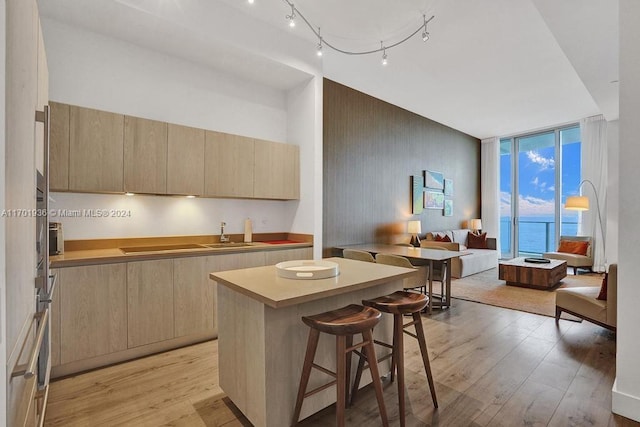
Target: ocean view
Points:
(536, 233)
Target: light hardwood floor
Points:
(492, 367)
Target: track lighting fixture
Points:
(319, 48)
(425, 33)
(322, 42)
(384, 54)
(292, 18)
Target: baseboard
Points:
(624, 404)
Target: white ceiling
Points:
(491, 68)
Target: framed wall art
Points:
(417, 188)
(433, 199)
(448, 187)
(448, 208)
(433, 180)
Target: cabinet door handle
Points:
(28, 369)
(49, 298)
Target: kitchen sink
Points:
(161, 248)
(227, 245)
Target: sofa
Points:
(584, 303)
(575, 260)
(473, 260)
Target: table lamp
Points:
(475, 225)
(414, 228)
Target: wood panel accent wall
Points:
(371, 148)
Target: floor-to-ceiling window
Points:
(537, 171)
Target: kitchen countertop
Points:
(263, 283)
(115, 255)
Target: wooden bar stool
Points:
(400, 303)
(344, 323)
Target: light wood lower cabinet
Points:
(274, 257)
(102, 314)
(93, 311)
(194, 296)
(149, 302)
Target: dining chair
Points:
(439, 273)
(358, 255)
(417, 281)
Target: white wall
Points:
(304, 109)
(626, 390)
(613, 191)
(95, 71)
(164, 216)
(3, 251)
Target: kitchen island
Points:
(262, 339)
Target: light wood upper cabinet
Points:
(228, 165)
(194, 296)
(277, 170)
(150, 301)
(93, 311)
(185, 162)
(145, 156)
(101, 152)
(95, 150)
(59, 147)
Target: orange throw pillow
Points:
(477, 241)
(444, 238)
(603, 288)
(573, 247)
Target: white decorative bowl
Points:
(307, 269)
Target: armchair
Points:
(583, 302)
(574, 260)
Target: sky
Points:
(536, 174)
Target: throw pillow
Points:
(573, 247)
(477, 241)
(444, 238)
(603, 288)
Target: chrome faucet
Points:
(223, 237)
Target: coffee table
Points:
(518, 272)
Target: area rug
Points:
(486, 288)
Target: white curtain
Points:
(593, 132)
(490, 188)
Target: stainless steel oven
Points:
(44, 282)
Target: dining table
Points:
(417, 256)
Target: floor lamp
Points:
(581, 203)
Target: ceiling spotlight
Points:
(425, 33)
(292, 18)
(384, 54)
(319, 48)
(250, 1)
